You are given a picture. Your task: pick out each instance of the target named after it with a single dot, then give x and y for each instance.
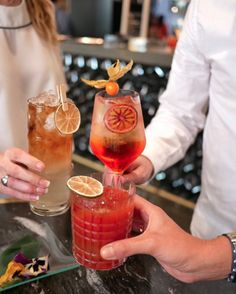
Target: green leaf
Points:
(28, 245)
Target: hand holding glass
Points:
(101, 220)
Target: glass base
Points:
(94, 262)
(50, 212)
(100, 266)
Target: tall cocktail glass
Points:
(54, 149)
(117, 135)
(101, 220)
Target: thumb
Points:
(127, 247)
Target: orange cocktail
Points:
(54, 149)
(117, 133)
(99, 221)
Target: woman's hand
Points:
(185, 257)
(22, 170)
(140, 171)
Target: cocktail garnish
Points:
(67, 121)
(36, 267)
(12, 269)
(114, 72)
(121, 118)
(85, 186)
(112, 88)
(61, 93)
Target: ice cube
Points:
(49, 122)
(45, 98)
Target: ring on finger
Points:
(4, 180)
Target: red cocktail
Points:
(99, 221)
(117, 157)
(117, 133)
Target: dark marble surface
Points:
(140, 274)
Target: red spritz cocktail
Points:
(117, 135)
(101, 220)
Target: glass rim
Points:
(121, 93)
(128, 186)
(49, 93)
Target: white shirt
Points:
(203, 77)
(28, 66)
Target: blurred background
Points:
(96, 18)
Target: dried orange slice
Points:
(67, 121)
(121, 118)
(85, 186)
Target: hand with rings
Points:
(18, 175)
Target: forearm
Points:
(211, 259)
(167, 140)
(191, 259)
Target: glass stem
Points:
(112, 179)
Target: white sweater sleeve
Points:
(184, 104)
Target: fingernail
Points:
(39, 166)
(108, 252)
(34, 197)
(41, 190)
(44, 183)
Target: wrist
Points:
(212, 259)
(150, 167)
(231, 237)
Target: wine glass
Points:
(117, 135)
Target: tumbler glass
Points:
(101, 220)
(54, 149)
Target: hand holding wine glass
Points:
(117, 133)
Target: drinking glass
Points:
(117, 135)
(101, 220)
(53, 148)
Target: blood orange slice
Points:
(121, 118)
(85, 186)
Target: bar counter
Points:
(154, 55)
(140, 274)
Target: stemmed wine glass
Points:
(117, 135)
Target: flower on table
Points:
(23, 268)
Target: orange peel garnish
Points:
(114, 72)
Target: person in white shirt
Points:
(200, 95)
(30, 64)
